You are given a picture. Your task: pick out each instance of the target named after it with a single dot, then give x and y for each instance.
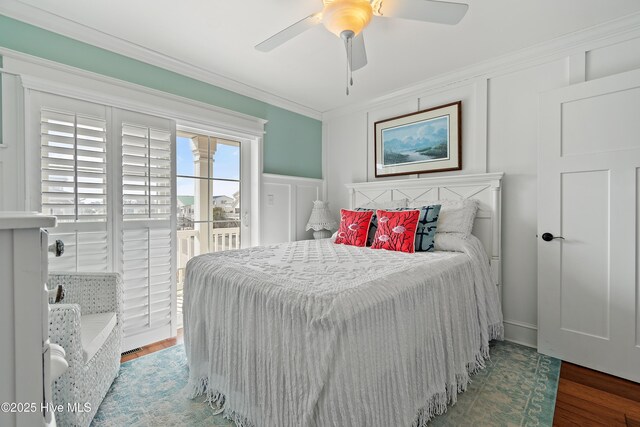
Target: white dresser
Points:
(24, 329)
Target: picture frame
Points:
(423, 142)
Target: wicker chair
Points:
(94, 358)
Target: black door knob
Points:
(57, 248)
(547, 237)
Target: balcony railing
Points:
(222, 239)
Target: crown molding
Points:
(72, 29)
(45, 76)
(608, 33)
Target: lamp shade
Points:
(321, 218)
(346, 15)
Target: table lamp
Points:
(321, 220)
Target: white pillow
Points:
(451, 242)
(390, 204)
(456, 242)
(456, 216)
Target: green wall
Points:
(292, 144)
(0, 102)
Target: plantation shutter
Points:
(148, 227)
(109, 177)
(146, 173)
(74, 176)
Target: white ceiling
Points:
(219, 36)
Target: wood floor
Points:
(591, 398)
(585, 397)
(151, 348)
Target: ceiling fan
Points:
(347, 18)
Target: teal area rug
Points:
(517, 388)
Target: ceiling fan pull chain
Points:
(347, 77)
(347, 45)
(351, 61)
(347, 37)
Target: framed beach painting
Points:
(422, 142)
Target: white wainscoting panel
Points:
(474, 130)
(276, 213)
(346, 156)
(286, 205)
(513, 148)
(613, 59)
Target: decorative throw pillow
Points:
(396, 230)
(374, 223)
(427, 226)
(373, 206)
(354, 226)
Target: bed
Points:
(312, 333)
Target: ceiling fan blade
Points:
(289, 32)
(358, 53)
(440, 12)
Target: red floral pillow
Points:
(396, 230)
(354, 227)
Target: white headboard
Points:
(486, 188)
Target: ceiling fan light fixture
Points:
(346, 15)
(347, 18)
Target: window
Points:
(208, 188)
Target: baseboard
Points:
(521, 333)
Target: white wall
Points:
(500, 130)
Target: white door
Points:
(589, 206)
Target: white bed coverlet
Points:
(316, 334)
